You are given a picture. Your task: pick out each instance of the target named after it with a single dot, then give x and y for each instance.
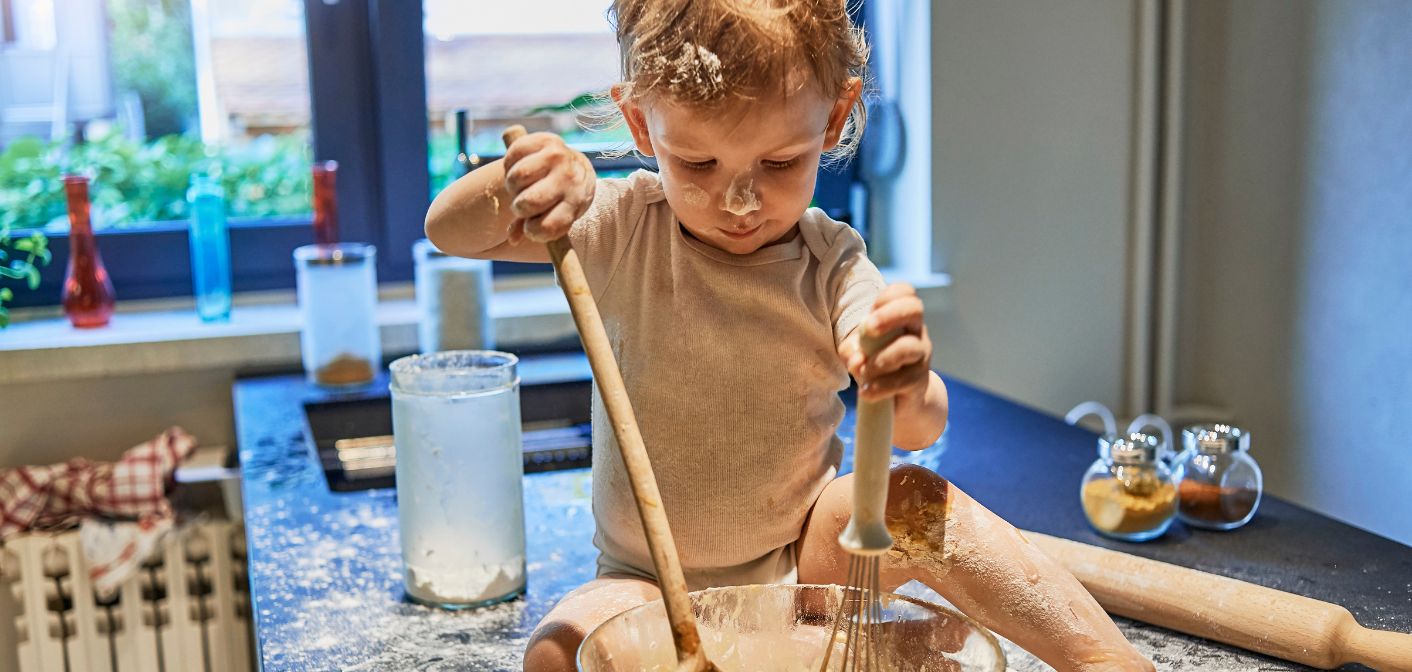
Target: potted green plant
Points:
(20, 259)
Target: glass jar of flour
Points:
(460, 472)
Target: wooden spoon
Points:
(690, 657)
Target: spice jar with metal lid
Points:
(1218, 483)
(1128, 493)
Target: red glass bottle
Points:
(88, 291)
(325, 202)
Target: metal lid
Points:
(334, 255)
(1136, 448)
(1215, 438)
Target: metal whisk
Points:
(861, 610)
(866, 538)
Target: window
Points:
(538, 71)
(140, 94)
(487, 67)
(152, 90)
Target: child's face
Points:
(739, 178)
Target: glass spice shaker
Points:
(1128, 494)
(1219, 484)
(337, 289)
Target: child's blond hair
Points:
(707, 53)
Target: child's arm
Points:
(902, 369)
(504, 209)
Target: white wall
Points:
(1296, 312)
(1032, 125)
(1295, 307)
(99, 418)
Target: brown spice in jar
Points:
(1214, 504)
(1113, 506)
(345, 369)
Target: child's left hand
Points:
(903, 368)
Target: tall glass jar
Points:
(337, 288)
(453, 300)
(210, 248)
(1128, 493)
(88, 297)
(1219, 483)
(460, 468)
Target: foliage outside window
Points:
(136, 184)
(152, 57)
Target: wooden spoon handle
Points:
(611, 389)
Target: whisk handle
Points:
(872, 451)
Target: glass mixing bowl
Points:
(784, 629)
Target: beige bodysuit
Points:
(732, 368)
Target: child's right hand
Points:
(550, 186)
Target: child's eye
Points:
(697, 165)
(780, 165)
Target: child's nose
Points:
(740, 195)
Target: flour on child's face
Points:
(694, 196)
(740, 195)
(740, 178)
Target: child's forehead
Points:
(778, 122)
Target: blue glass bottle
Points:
(210, 248)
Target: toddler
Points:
(734, 310)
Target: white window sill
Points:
(164, 336)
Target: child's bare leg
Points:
(980, 563)
(556, 639)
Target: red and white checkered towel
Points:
(58, 495)
(134, 489)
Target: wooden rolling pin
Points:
(1256, 618)
(609, 381)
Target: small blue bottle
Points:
(210, 248)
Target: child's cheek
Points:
(694, 196)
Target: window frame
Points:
(7, 22)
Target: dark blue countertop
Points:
(325, 567)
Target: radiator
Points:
(186, 609)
